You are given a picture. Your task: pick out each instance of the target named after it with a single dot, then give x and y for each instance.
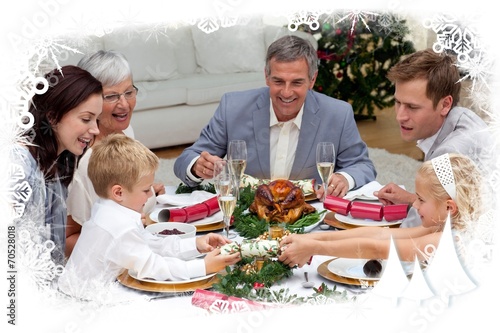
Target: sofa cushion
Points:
(160, 94)
(209, 88)
(194, 89)
(233, 49)
(151, 55)
(182, 39)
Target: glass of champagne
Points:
(221, 167)
(227, 194)
(325, 162)
(237, 158)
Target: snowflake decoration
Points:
(219, 306)
(37, 260)
(309, 18)
(19, 192)
(156, 31)
(50, 48)
(358, 309)
(359, 15)
(477, 68)
(453, 35)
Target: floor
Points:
(383, 132)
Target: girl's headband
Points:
(444, 172)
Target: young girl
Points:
(448, 184)
(65, 122)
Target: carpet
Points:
(396, 168)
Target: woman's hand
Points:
(296, 250)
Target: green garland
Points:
(242, 279)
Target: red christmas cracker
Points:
(190, 214)
(217, 302)
(364, 210)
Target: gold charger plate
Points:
(199, 228)
(333, 222)
(210, 227)
(325, 272)
(128, 281)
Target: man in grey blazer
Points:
(282, 125)
(427, 93)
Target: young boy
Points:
(122, 171)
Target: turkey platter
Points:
(280, 201)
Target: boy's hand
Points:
(214, 262)
(210, 241)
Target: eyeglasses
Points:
(113, 98)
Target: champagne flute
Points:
(227, 197)
(221, 167)
(325, 162)
(237, 157)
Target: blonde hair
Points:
(118, 159)
(468, 183)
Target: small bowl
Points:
(188, 230)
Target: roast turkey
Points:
(280, 201)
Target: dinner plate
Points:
(325, 273)
(169, 282)
(217, 217)
(128, 281)
(352, 268)
(365, 222)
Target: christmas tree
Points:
(354, 57)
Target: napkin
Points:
(185, 199)
(365, 192)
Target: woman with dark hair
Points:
(119, 95)
(65, 122)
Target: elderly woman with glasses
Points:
(119, 100)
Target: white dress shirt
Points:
(284, 137)
(114, 239)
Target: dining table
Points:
(316, 270)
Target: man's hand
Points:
(337, 186)
(204, 165)
(392, 194)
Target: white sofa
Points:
(183, 72)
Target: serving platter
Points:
(153, 286)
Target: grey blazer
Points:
(466, 133)
(245, 115)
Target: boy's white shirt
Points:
(114, 239)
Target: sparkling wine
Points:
(227, 204)
(238, 167)
(222, 187)
(325, 169)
